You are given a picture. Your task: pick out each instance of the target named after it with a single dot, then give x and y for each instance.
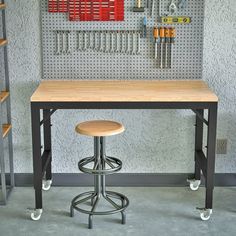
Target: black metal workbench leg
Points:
(196, 181)
(198, 142)
(37, 161)
(211, 149)
(47, 141)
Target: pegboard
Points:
(90, 64)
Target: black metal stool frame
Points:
(99, 170)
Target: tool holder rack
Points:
(187, 51)
(89, 10)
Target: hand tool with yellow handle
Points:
(174, 20)
(138, 8)
(162, 41)
(156, 37)
(167, 42)
(172, 41)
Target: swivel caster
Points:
(36, 214)
(194, 184)
(205, 214)
(46, 184)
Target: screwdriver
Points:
(144, 27)
(167, 41)
(172, 41)
(162, 40)
(156, 37)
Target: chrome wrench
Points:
(127, 42)
(101, 41)
(68, 51)
(117, 42)
(138, 43)
(85, 40)
(58, 52)
(111, 41)
(64, 42)
(133, 42)
(123, 42)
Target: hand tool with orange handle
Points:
(156, 37)
(162, 41)
(172, 41)
(167, 42)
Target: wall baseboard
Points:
(124, 179)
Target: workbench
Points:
(195, 95)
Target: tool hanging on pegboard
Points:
(110, 41)
(63, 42)
(96, 10)
(166, 36)
(174, 20)
(57, 6)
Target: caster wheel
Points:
(206, 214)
(36, 214)
(46, 185)
(194, 184)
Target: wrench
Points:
(94, 40)
(78, 42)
(101, 43)
(138, 44)
(107, 42)
(123, 42)
(85, 40)
(117, 42)
(89, 40)
(133, 42)
(112, 39)
(127, 42)
(68, 51)
(173, 7)
(58, 43)
(64, 42)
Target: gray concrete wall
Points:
(155, 141)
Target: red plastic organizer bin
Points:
(57, 6)
(96, 10)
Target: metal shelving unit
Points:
(6, 131)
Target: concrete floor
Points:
(152, 212)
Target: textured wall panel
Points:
(155, 141)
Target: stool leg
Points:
(123, 214)
(97, 180)
(72, 213)
(102, 156)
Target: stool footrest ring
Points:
(111, 165)
(84, 197)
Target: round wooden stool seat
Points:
(100, 128)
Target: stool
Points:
(100, 165)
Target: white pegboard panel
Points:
(187, 51)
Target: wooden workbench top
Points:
(123, 91)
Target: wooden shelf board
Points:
(2, 6)
(3, 42)
(4, 95)
(5, 129)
